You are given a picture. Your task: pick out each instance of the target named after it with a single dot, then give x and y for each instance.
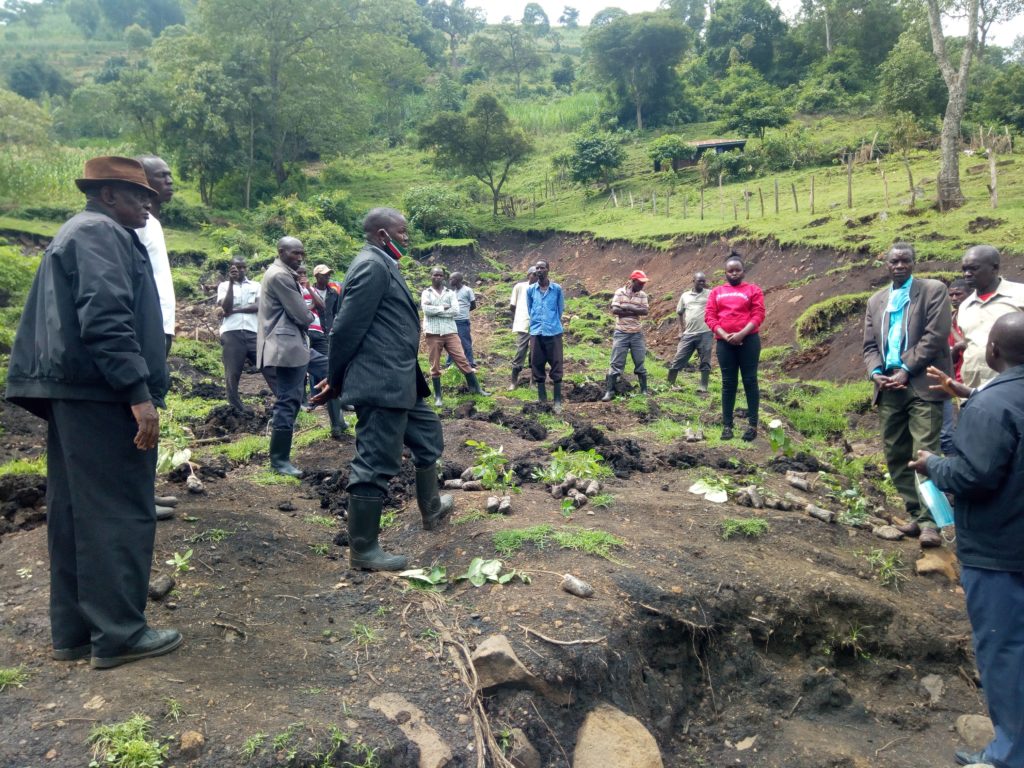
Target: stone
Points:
(434, 752)
(194, 484)
(472, 485)
(492, 504)
(191, 744)
(523, 754)
(505, 505)
(609, 736)
(160, 586)
(934, 686)
(577, 587)
(467, 474)
(941, 561)
(496, 664)
(452, 485)
(975, 730)
(887, 532)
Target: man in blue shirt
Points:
(906, 329)
(545, 303)
(467, 303)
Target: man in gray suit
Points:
(281, 346)
(373, 366)
(906, 330)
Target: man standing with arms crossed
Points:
(694, 334)
(629, 304)
(239, 298)
(90, 358)
(439, 309)
(992, 297)
(282, 346)
(906, 330)
(545, 304)
(373, 366)
(520, 325)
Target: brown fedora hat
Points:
(104, 170)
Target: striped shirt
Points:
(439, 310)
(626, 297)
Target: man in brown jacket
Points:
(906, 329)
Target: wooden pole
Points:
(746, 203)
(993, 192)
(849, 181)
(631, 198)
(760, 196)
(776, 197)
(796, 204)
(812, 194)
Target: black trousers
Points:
(289, 387)
(101, 523)
(546, 351)
(380, 435)
(736, 361)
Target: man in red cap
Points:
(90, 358)
(629, 304)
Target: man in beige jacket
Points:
(993, 296)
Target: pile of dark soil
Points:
(526, 428)
(22, 502)
(225, 420)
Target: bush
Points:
(178, 213)
(337, 207)
(667, 149)
(437, 211)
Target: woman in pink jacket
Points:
(734, 314)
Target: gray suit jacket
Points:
(283, 320)
(376, 336)
(927, 319)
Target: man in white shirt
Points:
(694, 336)
(239, 297)
(521, 325)
(159, 176)
(152, 236)
(993, 296)
(440, 307)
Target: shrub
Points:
(337, 207)
(669, 149)
(178, 213)
(819, 319)
(437, 211)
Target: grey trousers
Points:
(522, 350)
(101, 523)
(696, 342)
(634, 344)
(380, 435)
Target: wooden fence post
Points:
(760, 196)
(796, 204)
(721, 198)
(746, 202)
(993, 193)
(684, 205)
(849, 181)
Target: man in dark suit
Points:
(281, 346)
(906, 330)
(90, 358)
(373, 365)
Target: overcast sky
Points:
(498, 9)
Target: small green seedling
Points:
(181, 562)
(253, 745)
(126, 744)
(490, 467)
(889, 568)
(12, 677)
(778, 439)
(172, 709)
(320, 549)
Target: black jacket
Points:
(987, 476)
(376, 336)
(92, 327)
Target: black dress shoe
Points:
(963, 757)
(72, 654)
(154, 642)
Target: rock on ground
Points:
(434, 752)
(940, 561)
(523, 754)
(975, 730)
(611, 737)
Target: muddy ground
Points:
(783, 650)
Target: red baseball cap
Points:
(638, 275)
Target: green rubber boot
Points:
(364, 551)
(433, 506)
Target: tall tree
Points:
(507, 49)
(570, 18)
(992, 12)
(751, 27)
(636, 57)
(750, 104)
(956, 78)
(535, 19)
(455, 21)
(692, 13)
(607, 16)
(483, 143)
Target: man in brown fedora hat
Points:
(89, 357)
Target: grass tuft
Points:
(12, 677)
(270, 477)
(751, 527)
(127, 744)
(36, 466)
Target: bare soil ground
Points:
(789, 638)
